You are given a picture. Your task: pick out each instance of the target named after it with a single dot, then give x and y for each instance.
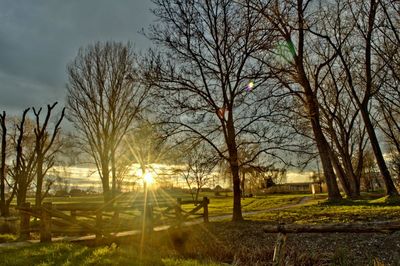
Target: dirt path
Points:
(218, 218)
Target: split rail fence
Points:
(105, 220)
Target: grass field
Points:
(58, 254)
(318, 211)
(225, 243)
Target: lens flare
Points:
(250, 86)
(148, 178)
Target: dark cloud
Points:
(38, 39)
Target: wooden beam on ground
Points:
(368, 227)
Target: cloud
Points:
(39, 38)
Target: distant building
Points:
(301, 187)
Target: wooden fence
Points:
(282, 230)
(93, 218)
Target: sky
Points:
(39, 38)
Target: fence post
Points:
(279, 250)
(178, 211)
(73, 214)
(45, 222)
(115, 217)
(24, 226)
(149, 218)
(99, 217)
(206, 201)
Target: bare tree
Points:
(344, 130)
(298, 68)
(369, 177)
(46, 146)
(23, 169)
(342, 38)
(103, 99)
(145, 145)
(208, 85)
(200, 163)
(389, 95)
(363, 71)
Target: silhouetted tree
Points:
(297, 67)
(103, 100)
(355, 35)
(23, 169)
(199, 165)
(145, 145)
(208, 86)
(46, 146)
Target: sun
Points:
(148, 178)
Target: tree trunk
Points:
(242, 184)
(341, 175)
(349, 170)
(237, 208)
(21, 195)
(105, 180)
(197, 195)
(106, 190)
(114, 176)
(323, 149)
(372, 17)
(5, 210)
(354, 183)
(39, 181)
(8, 202)
(312, 107)
(3, 166)
(389, 185)
(234, 165)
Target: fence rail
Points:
(90, 217)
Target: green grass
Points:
(224, 205)
(216, 243)
(391, 201)
(271, 201)
(220, 205)
(73, 254)
(318, 212)
(315, 210)
(5, 238)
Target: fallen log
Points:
(367, 227)
(283, 229)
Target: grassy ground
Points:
(215, 244)
(5, 238)
(240, 243)
(224, 205)
(320, 211)
(73, 254)
(218, 204)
